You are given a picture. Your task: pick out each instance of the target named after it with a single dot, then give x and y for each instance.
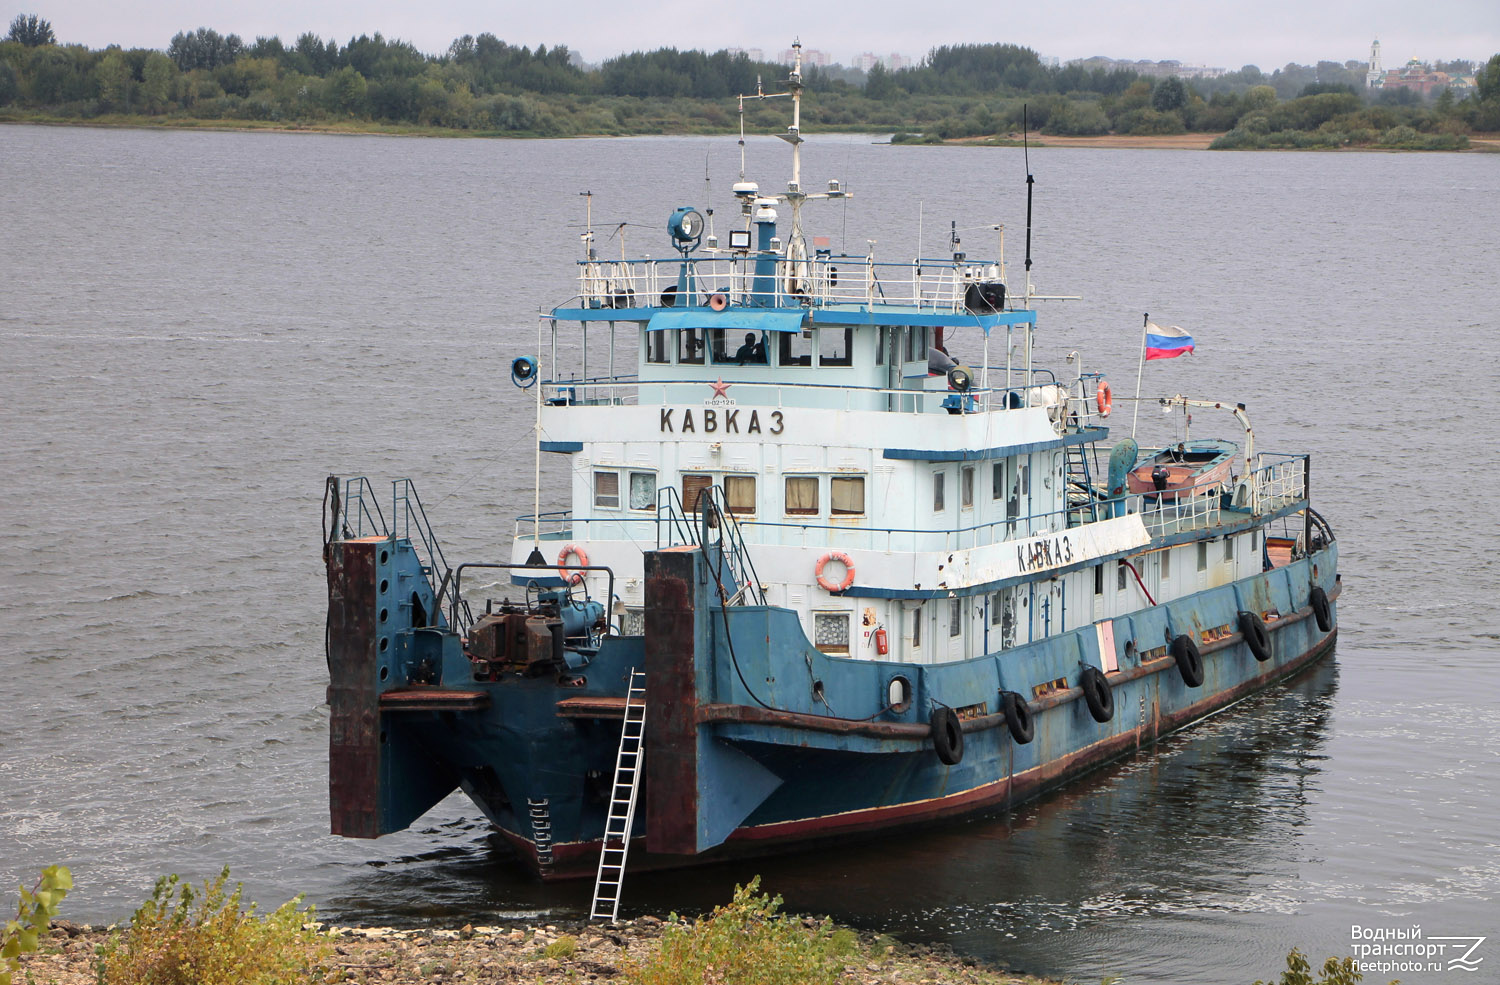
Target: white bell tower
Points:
(1376, 73)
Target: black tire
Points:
(947, 736)
(1018, 717)
(1097, 694)
(1257, 637)
(1319, 600)
(1189, 660)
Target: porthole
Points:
(384, 614)
(385, 556)
(385, 642)
(385, 586)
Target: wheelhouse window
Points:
(916, 344)
(795, 348)
(966, 487)
(846, 494)
(643, 490)
(955, 616)
(694, 486)
(739, 492)
(658, 347)
(937, 491)
(880, 344)
(607, 490)
(835, 347)
(690, 346)
(831, 631)
(802, 495)
(997, 481)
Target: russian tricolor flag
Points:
(1166, 342)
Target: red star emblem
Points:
(720, 387)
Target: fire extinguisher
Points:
(882, 642)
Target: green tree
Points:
(878, 83)
(1170, 94)
(159, 74)
(1260, 98)
(346, 91)
(1486, 80)
(114, 80)
(31, 30)
(10, 88)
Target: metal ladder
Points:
(1078, 485)
(628, 764)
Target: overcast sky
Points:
(1268, 33)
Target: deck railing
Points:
(937, 285)
(1277, 480)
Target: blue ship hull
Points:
(745, 754)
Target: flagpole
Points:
(1145, 320)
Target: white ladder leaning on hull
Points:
(628, 764)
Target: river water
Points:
(197, 327)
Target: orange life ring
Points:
(1103, 398)
(571, 575)
(843, 559)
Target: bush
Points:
(1336, 971)
(34, 913)
(179, 937)
(747, 943)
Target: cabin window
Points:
(831, 631)
(739, 492)
(916, 344)
(880, 347)
(690, 346)
(1166, 565)
(846, 494)
(796, 348)
(1202, 555)
(835, 347)
(633, 623)
(802, 495)
(916, 627)
(1098, 579)
(937, 491)
(966, 487)
(1254, 541)
(694, 486)
(607, 490)
(955, 616)
(995, 609)
(1120, 576)
(1229, 548)
(747, 349)
(643, 490)
(997, 481)
(657, 348)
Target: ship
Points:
(808, 577)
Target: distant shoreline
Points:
(1479, 143)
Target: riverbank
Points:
(1481, 143)
(549, 954)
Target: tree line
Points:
(482, 84)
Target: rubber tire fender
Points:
(1018, 718)
(1189, 660)
(947, 735)
(1097, 694)
(1319, 601)
(1257, 637)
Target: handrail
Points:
(406, 508)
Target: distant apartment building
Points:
(892, 62)
(810, 56)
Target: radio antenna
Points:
(1030, 183)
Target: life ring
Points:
(947, 736)
(1319, 600)
(1018, 717)
(1257, 638)
(843, 559)
(1189, 660)
(571, 575)
(1097, 694)
(1104, 398)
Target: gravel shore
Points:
(550, 954)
